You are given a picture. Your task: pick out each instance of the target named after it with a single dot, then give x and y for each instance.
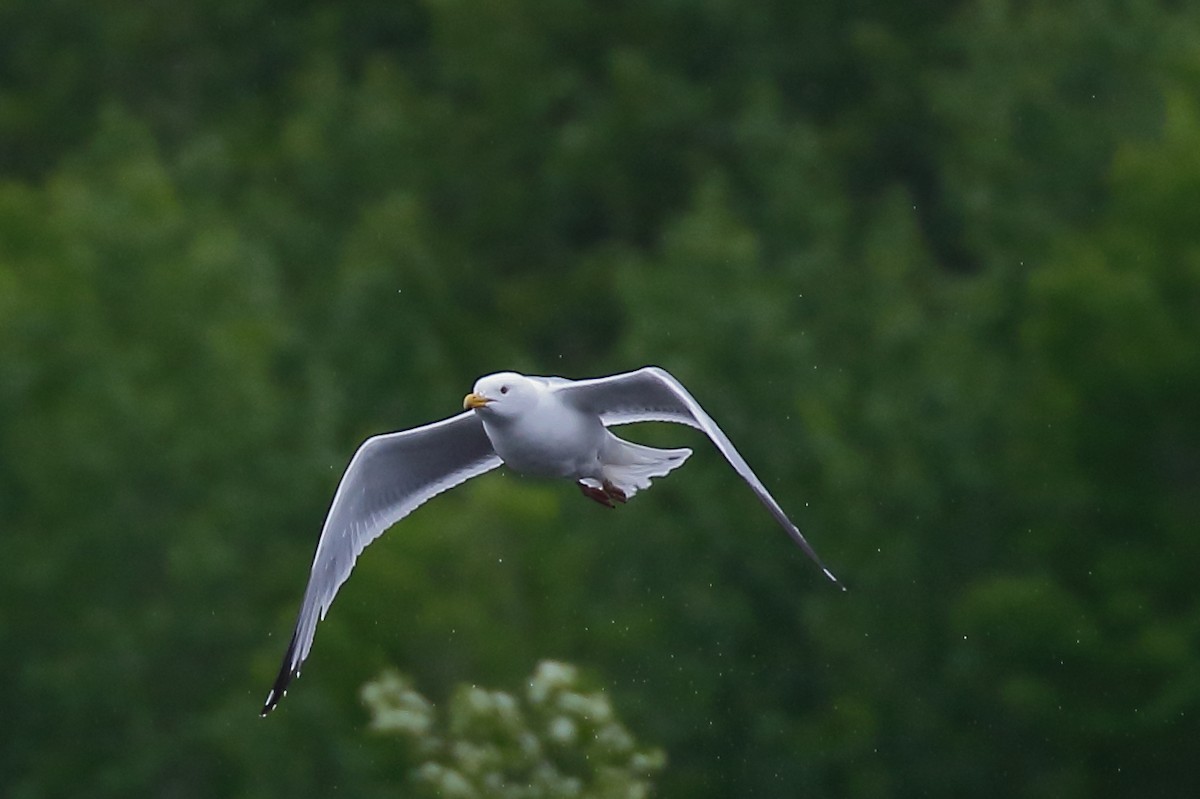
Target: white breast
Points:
(549, 440)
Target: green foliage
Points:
(934, 267)
(554, 740)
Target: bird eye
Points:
(503, 389)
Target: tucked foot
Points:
(614, 493)
(598, 494)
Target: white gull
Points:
(541, 426)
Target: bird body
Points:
(539, 426)
(545, 438)
(536, 433)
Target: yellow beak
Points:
(473, 401)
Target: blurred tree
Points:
(554, 740)
(933, 266)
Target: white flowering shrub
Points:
(555, 740)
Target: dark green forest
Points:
(933, 266)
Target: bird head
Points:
(504, 394)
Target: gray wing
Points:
(651, 394)
(387, 479)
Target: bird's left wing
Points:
(651, 394)
(387, 479)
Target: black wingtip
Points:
(279, 689)
(289, 671)
(833, 579)
(272, 701)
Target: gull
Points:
(539, 426)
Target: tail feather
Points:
(630, 466)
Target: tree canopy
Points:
(935, 267)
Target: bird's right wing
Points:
(387, 479)
(651, 394)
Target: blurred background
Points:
(934, 266)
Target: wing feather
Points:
(651, 394)
(387, 479)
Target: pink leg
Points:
(614, 493)
(598, 494)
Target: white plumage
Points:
(541, 426)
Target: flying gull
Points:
(542, 426)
